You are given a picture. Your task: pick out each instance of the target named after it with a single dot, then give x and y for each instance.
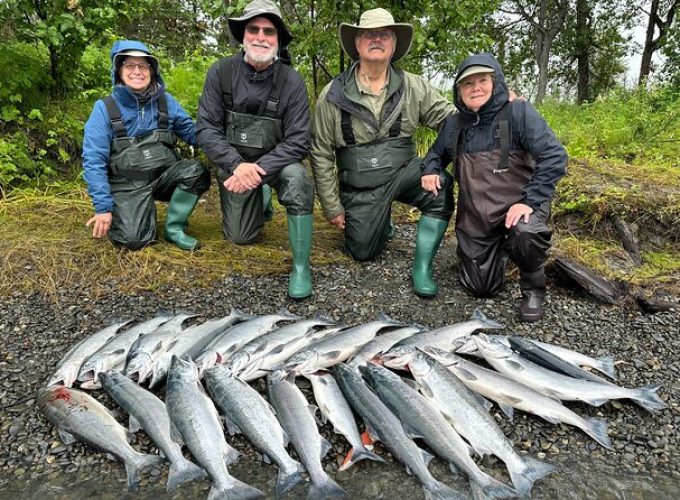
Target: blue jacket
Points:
(138, 119)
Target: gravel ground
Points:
(36, 332)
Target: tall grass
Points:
(638, 126)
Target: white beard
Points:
(258, 57)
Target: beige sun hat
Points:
(372, 19)
(473, 70)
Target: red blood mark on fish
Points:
(62, 393)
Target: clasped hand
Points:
(246, 176)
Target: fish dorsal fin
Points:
(313, 411)
(266, 459)
(332, 355)
(278, 349)
(410, 382)
(486, 404)
(515, 365)
(595, 401)
(175, 434)
(230, 455)
(426, 391)
(427, 458)
(232, 428)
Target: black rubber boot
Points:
(533, 295)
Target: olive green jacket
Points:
(417, 101)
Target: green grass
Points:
(45, 245)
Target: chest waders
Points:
(484, 244)
(243, 214)
(142, 169)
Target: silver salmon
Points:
(150, 414)
(247, 412)
(196, 419)
(79, 417)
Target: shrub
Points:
(20, 161)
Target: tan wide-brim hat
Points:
(373, 19)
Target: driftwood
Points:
(652, 305)
(604, 290)
(628, 239)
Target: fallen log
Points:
(606, 291)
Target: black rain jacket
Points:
(250, 90)
(478, 140)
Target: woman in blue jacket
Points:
(129, 155)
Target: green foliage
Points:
(628, 125)
(184, 80)
(64, 28)
(23, 79)
(20, 161)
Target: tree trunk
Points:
(55, 70)
(651, 44)
(583, 50)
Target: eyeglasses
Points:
(130, 66)
(254, 30)
(371, 34)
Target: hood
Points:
(119, 49)
(500, 92)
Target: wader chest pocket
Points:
(374, 163)
(249, 138)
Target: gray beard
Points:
(260, 59)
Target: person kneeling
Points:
(507, 163)
(129, 155)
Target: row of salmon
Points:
(448, 407)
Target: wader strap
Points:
(225, 83)
(503, 135)
(115, 117)
(395, 129)
(117, 120)
(269, 108)
(348, 133)
(163, 119)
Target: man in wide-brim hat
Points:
(253, 123)
(364, 121)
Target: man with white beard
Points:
(253, 123)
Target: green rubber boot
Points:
(180, 207)
(267, 207)
(300, 237)
(428, 238)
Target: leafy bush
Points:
(20, 162)
(628, 125)
(185, 79)
(23, 79)
(94, 70)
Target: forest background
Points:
(567, 56)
